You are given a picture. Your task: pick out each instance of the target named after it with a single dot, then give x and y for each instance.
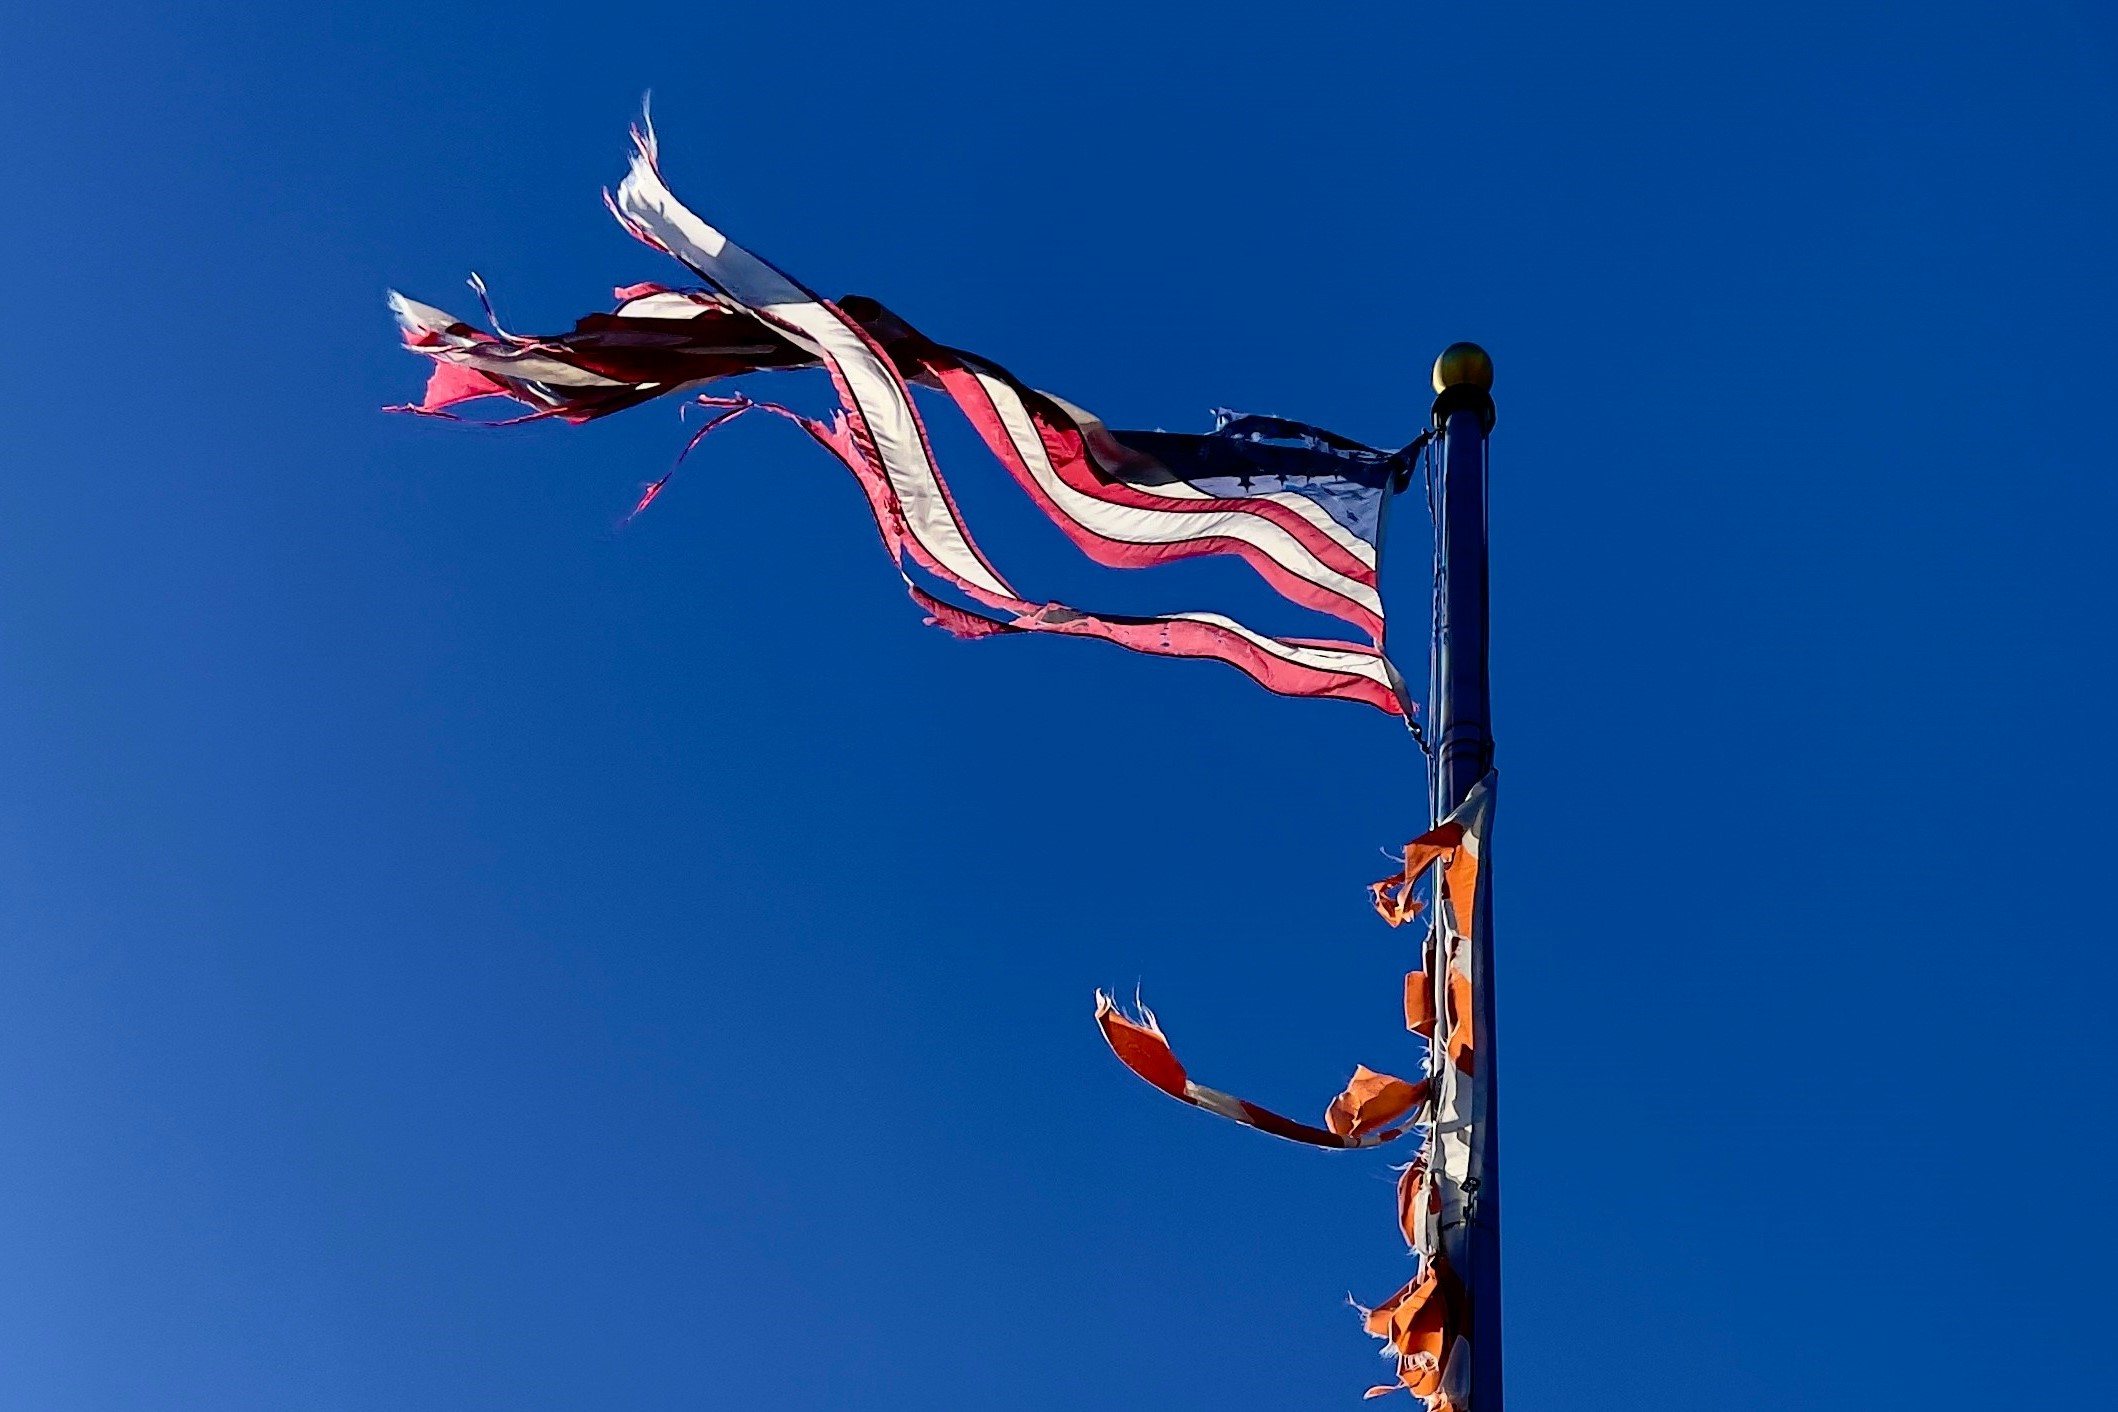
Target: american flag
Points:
(1302, 507)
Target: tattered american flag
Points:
(1427, 1326)
(1304, 508)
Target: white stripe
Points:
(875, 391)
(503, 361)
(668, 304)
(487, 356)
(1426, 1226)
(1350, 661)
(1132, 525)
(1215, 1101)
(415, 317)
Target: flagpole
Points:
(1462, 737)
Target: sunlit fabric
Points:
(1304, 508)
(1427, 1326)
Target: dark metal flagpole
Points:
(1462, 738)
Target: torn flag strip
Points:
(1358, 1117)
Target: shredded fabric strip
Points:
(1361, 1116)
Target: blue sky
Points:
(455, 954)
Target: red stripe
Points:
(1184, 638)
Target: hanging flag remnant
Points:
(1304, 508)
(1428, 1326)
(1359, 1117)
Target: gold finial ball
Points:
(1463, 364)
